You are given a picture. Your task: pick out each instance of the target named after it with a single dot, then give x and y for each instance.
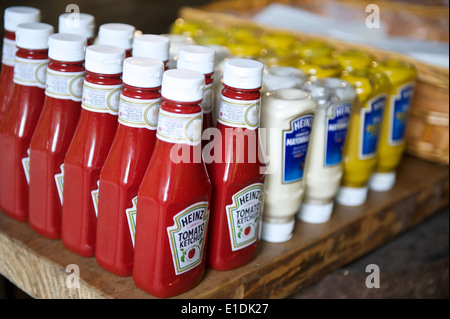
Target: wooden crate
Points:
(425, 136)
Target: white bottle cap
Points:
(66, 47)
(243, 73)
(104, 59)
(18, 15)
(315, 214)
(151, 46)
(382, 182)
(182, 85)
(277, 233)
(33, 36)
(142, 72)
(352, 196)
(283, 77)
(118, 34)
(196, 58)
(79, 23)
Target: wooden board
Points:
(38, 265)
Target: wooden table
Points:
(38, 265)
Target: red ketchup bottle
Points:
(201, 59)
(175, 193)
(152, 46)
(90, 146)
(13, 17)
(81, 23)
(21, 117)
(237, 171)
(54, 131)
(117, 34)
(126, 164)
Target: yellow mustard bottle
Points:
(402, 76)
(317, 67)
(313, 48)
(352, 59)
(360, 153)
(280, 47)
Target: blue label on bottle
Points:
(295, 148)
(371, 117)
(399, 113)
(337, 125)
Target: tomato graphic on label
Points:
(191, 253)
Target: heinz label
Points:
(371, 117)
(101, 98)
(131, 218)
(295, 148)
(337, 125)
(237, 113)
(400, 105)
(139, 113)
(30, 72)
(243, 216)
(64, 85)
(187, 237)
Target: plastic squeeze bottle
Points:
(175, 194)
(237, 168)
(152, 46)
(402, 76)
(287, 116)
(282, 77)
(200, 58)
(82, 24)
(54, 131)
(21, 117)
(90, 146)
(126, 164)
(12, 18)
(360, 153)
(117, 34)
(335, 99)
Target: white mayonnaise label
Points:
(9, 52)
(243, 216)
(30, 72)
(139, 113)
(59, 180)
(187, 237)
(179, 128)
(101, 98)
(237, 113)
(64, 85)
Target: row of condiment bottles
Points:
(296, 153)
(98, 165)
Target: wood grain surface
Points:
(38, 265)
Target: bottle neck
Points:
(209, 78)
(32, 54)
(141, 93)
(103, 79)
(180, 107)
(241, 94)
(66, 66)
(10, 35)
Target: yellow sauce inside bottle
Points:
(360, 155)
(402, 77)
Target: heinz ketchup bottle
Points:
(12, 18)
(90, 146)
(152, 46)
(236, 175)
(126, 164)
(82, 24)
(21, 117)
(174, 196)
(201, 59)
(117, 34)
(54, 132)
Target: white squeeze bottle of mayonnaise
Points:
(287, 117)
(335, 99)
